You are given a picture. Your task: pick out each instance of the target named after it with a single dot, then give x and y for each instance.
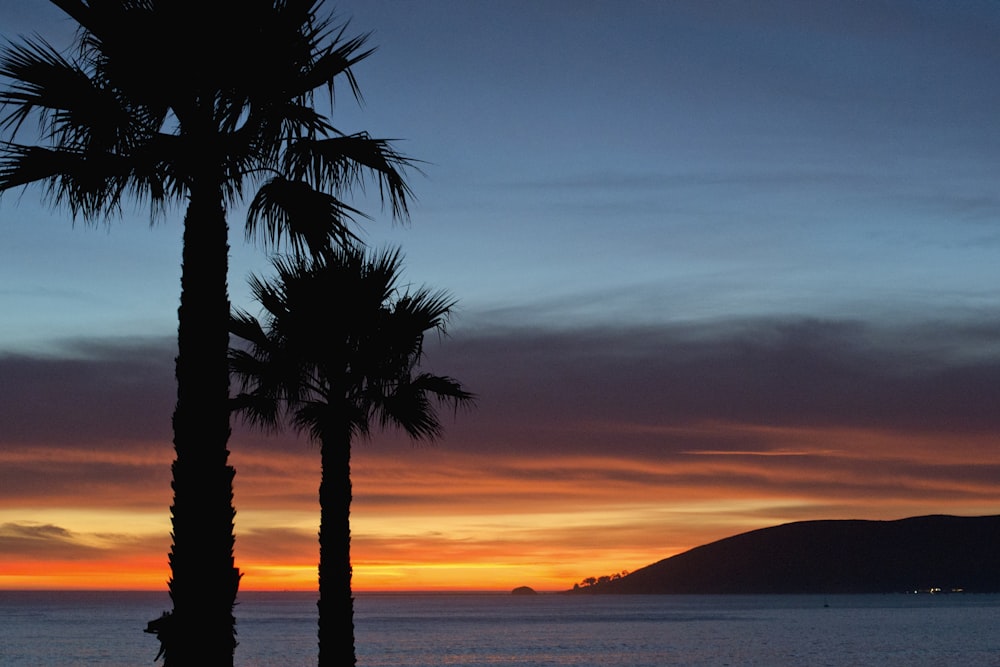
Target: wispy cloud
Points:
(43, 541)
(664, 436)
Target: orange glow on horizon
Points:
(444, 519)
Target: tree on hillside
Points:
(163, 102)
(337, 354)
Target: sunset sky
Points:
(720, 266)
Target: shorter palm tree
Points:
(336, 354)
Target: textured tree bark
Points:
(336, 603)
(201, 629)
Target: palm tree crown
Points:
(339, 341)
(337, 354)
(161, 94)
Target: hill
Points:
(831, 557)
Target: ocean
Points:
(62, 629)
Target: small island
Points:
(524, 590)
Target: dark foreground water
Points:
(45, 629)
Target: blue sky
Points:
(687, 238)
(645, 161)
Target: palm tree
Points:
(337, 354)
(175, 101)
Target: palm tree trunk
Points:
(201, 630)
(336, 604)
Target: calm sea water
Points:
(45, 629)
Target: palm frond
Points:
(22, 165)
(92, 184)
(426, 309)
(445, 389)
(348, 161)
(41, 80)
(246, 327)
(67, 176)
(309, 219)
(78, 11)
(409, 406)
(337, 59)
(410, 410)
(268, 373)
(257, 411)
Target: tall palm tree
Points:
(337, 353)
(167, 102)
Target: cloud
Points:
(88, 391)
(279, 544)
(44, 542)
(99, 475)
(595, 384)
(720, 406)
(538, 388)
(662, 436)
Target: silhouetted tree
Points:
(337, 353)
(177, 101)
(603, 579)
